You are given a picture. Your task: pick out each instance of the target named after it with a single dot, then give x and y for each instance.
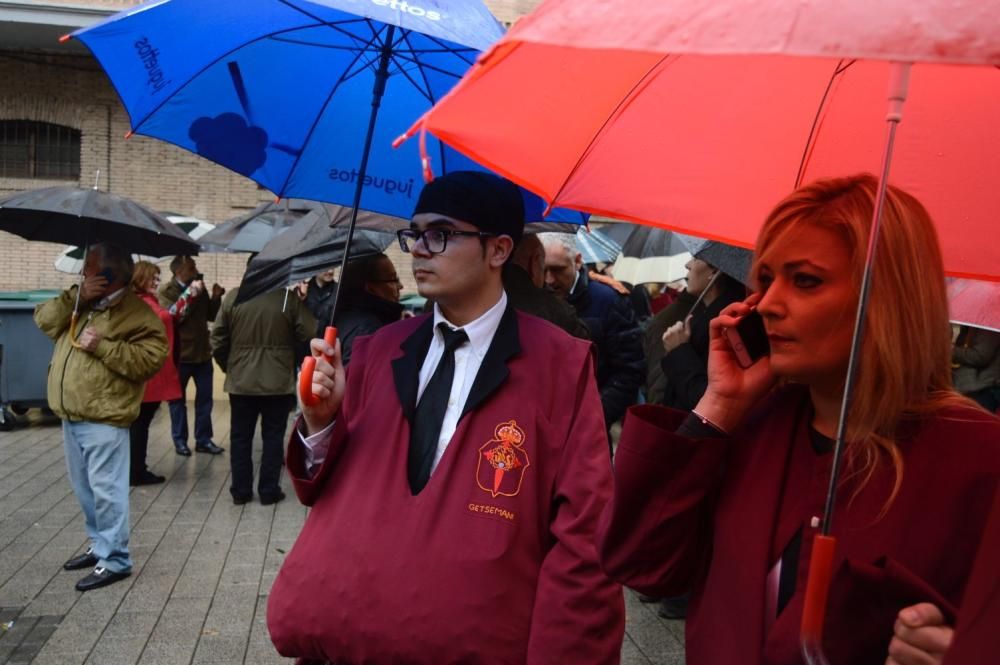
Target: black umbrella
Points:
(77, 216)
(252, 231)
(649, 254)
(316, 243)
(732, 260)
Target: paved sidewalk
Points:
(203, 567)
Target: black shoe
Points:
(182, 449)
(147, 477)
(673, 608)
(209, 447)
(269, 499)
(643, 598)
(100, 577)
(240, 499)
(85, 560)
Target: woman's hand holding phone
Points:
(732, 390)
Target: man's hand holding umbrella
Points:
(329, 382)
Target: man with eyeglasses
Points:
(457, 474)
(369, 300)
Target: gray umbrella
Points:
(77, 216)
(649, 254)
(252, 231)
(313, 244)
(732, 260)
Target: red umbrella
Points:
(974, 303)
(646, 110)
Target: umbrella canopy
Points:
(683, 115)
(70, 260)
(596, 248)
(974, 303)
(266, 88)
(313, 244)
(77, 216)
(732, 260)
(251, 232)
(651, 255)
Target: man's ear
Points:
(503, 247)
(578, 260)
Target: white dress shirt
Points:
(468, 360)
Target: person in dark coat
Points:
(254, 344)
(524, 281)
(678, 310)
(685, 342)
(320, 293)
(455, 472)
(195, 356)
(370, 300)
(725, 502)
(610, 319)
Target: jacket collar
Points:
(492, 373)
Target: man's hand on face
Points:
(89, 339)
(217, 291)
(93, 287)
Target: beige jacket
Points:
(106, 385)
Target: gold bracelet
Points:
(706, 421)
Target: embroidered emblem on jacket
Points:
(502, 461)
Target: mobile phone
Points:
(107, 274)
(748, 339)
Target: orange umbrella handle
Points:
(309, 366)
(817, 591)
(73, 319)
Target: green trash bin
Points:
(25, 354)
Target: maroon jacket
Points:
(977, 635)
(481, 566)
(713, 516)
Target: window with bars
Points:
(31, 149)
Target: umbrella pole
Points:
(75, 315)
(330, 334)
(824, 544)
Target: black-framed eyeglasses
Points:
(435, 239)
(392, 280)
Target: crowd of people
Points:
(457, 462)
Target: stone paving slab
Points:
(203, 567)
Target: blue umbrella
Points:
(286, 92)
(301, 96)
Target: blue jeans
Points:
(97, 458)
(202, 375)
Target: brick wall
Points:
(74, 92)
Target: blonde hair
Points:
(142, 275)
(905, 359)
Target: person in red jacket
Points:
(165, 385)
(725, 503)
(455, 474)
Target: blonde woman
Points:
(724, 503)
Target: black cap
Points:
(484, 200)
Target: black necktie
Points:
(429, 414)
